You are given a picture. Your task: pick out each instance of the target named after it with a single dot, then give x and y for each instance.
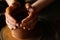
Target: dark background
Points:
(3, 6)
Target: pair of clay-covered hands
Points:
(18, 16)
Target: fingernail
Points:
(24, 28)
(31, 10)
(20, 25)
(17, 24)
(14, 28)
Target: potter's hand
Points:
(10, 21)
(30, 21)
(14, 14)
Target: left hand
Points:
(30, 21)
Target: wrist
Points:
(40, 4)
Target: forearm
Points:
(40, 4)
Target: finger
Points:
(30, 21)
(11, 21)
(27, 5)
(28, 18)
(8, 13)
(30, 24)
(10, 18)
(15, 25)
(10, 26)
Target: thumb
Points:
(27, 5)
(29, 17)
(30, 13)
